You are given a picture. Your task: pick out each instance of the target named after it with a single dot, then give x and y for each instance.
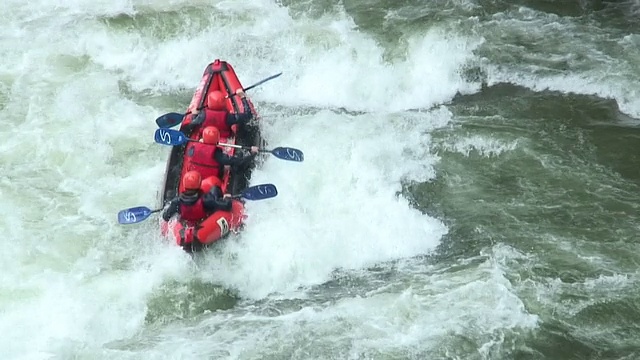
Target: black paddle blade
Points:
(169, 120)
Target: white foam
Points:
(566, 56)
(326, 62)
(438, 311)
(338, 209)
(624, 91)
(488, 147)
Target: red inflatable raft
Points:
(219, 75)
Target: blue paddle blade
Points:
(133, 215)
(260, 192)
(169, 137)
(286, 153)
(169, 120)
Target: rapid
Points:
(469, 189)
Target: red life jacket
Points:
(193, 213)
(217, 118)
(200, 158)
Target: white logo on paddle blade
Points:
(129, 216)
(293, 155)
(165, 137)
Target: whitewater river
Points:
(470, 187)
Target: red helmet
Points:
(209, 183)
(216, 100)
(191, 180)
(211, 135)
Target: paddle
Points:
(174, 137)
(172, 119)
(284, 153)
(258, 83)
(140, 213)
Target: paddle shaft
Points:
(256, 84)
(223, 144)
(281, 153)
(173, 138)
(242, 147)
(262, 81)
(229, 145)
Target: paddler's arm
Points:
(171, 210)
(244, 117)
(224, 159)
(196, 119)
(213, 200)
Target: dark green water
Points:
(564, 196)
(553, 176)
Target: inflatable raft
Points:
(218, 75)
